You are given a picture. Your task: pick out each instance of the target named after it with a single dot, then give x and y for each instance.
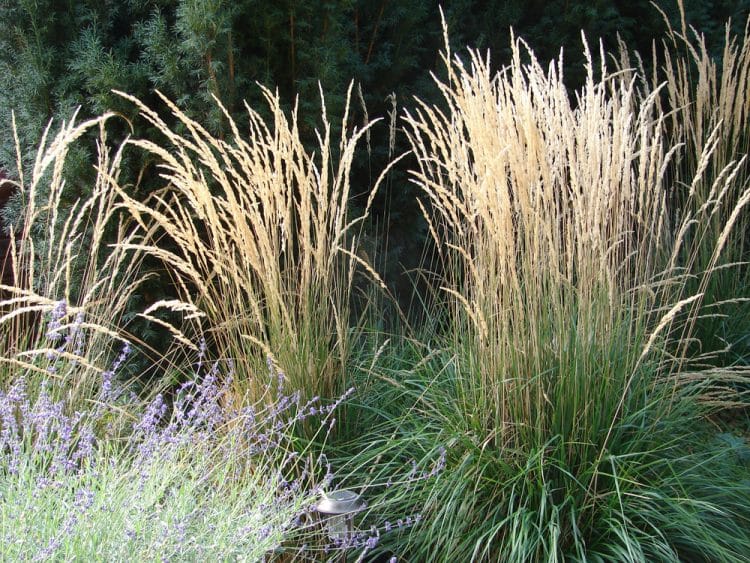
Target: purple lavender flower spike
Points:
(79, 336)
(54, 325)
(84, 499)
(49, 551)
(85, 448)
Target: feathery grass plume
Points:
(552, 221)
(263, 239)
(69, 266)
(707, 103)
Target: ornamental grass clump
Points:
(70, 270)
(263, 240)
(707, 103)
(560, 393)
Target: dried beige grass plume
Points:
(263, 236)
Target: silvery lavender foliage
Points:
(55, 452)
(194, 435)
(41, 432)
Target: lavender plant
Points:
(193, 474)
(192, 478)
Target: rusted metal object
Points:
(6, 268)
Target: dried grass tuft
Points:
(263, 238)
(81, 254)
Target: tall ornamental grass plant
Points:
(563, 273)
(263, 240)
(69, 266)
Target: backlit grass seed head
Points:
(264, 237)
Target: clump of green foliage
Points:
(575, 257)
